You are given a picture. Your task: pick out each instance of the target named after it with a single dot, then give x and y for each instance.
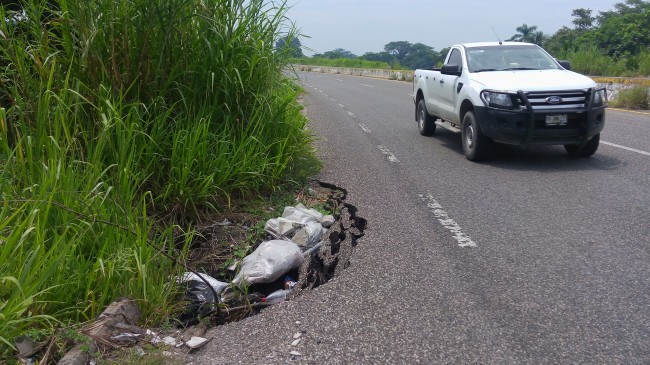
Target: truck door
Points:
(446, 89)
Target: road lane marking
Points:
(341, 105)
(364, 128)
(366, 85)
(626, 148)
(390, 155)
(447, 222)
(326, 95)
(351, 114)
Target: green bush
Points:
(341, 62)
(637, 97)
(644, 64)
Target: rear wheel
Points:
(426, 123)
(587, 150)
(476, 145)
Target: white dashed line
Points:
(390, 155)
(444, 219)
(326, 95)
(626, 148)
(366, 85)
(364, 128)
(341, 105)
(351, 114)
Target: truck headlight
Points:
(497, 99)
(600, 97)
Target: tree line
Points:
(614, 42)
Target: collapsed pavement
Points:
(323, 255)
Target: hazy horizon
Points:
(361, 26)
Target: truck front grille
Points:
(557, 100)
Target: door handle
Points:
(442, 81)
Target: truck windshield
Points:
(503, 58)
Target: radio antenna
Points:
(495, 33)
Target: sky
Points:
(361, 26)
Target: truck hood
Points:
(532, 80)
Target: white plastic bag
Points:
(300, 214)
(269, 262)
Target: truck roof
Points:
(490, 44)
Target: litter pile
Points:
(303, 249)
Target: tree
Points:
(337, 53)
(291, 45)
(623, 32)
(526, 34)
(377, 56)
(583, 19)
(399, 49)
(420, 56)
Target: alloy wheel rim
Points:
(470, 136)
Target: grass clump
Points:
(120, 120)
(341, 62)
(636, 97)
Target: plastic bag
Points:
(197, 288)
(309, 235)
(269, 261)
(300, 214)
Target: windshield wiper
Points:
(486, 69)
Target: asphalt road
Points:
(530, 258)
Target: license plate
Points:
(557, 119)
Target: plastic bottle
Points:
(277, 296)
(289, 283)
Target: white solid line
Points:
(626, 148)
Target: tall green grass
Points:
(118, 120)
(591, 61)
(341, 62)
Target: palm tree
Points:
(526, 34)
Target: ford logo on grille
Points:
(554, 100)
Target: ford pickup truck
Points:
(509, 92)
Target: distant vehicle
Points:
(513, 93)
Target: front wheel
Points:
(426, 124)
(587, 150)
(476, 145)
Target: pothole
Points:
(217, 250)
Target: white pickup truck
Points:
(509, 92)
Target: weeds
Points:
(637, 97)
(119, 120)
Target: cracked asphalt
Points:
(558, 274)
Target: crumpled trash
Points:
(269, 261)
(300, 214)
(303, 226)
(200, 295)
(309, 235)
(199, 290)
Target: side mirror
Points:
(454, 70)
(566, 64)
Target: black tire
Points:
(587, 150)
(426, 123)
(476, 145)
